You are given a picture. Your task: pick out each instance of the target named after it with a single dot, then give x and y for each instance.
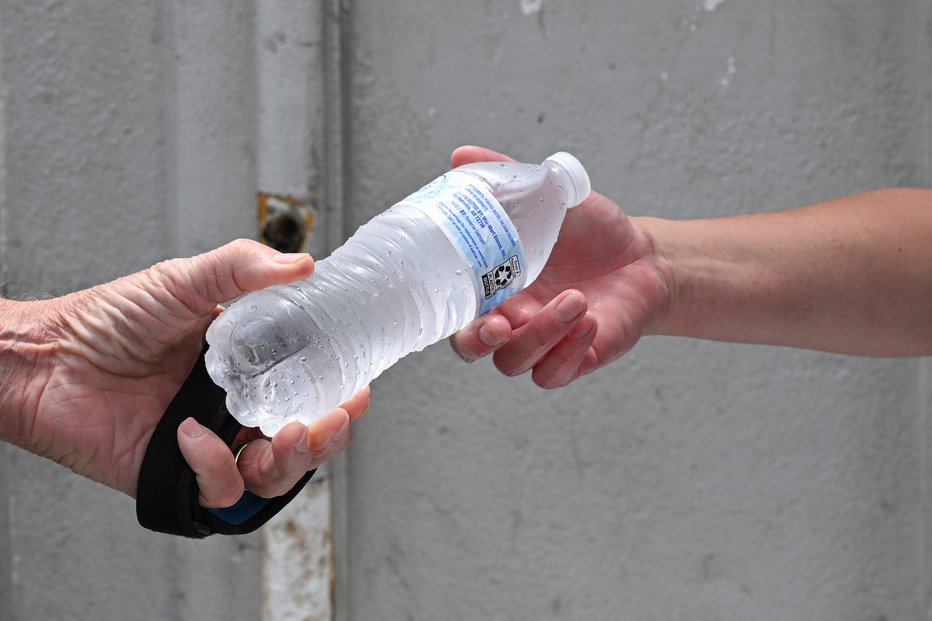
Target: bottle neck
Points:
(573, 177)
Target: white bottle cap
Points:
(579, 186)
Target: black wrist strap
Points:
(167, 492)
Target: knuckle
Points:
(242, 245)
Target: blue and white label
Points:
(480, 230)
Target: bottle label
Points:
(476, 223)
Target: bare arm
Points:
(851, 275)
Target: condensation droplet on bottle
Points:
(253, 309)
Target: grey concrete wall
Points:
(127, 136)
(689, 480)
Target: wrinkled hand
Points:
(116, 355)
(599, 292)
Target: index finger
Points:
(533, 341)
(470, 154)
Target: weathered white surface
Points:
(298, 559)
(298, 553)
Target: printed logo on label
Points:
(501, 276)
(481, 231)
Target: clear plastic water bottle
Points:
(411, 276)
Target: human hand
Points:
(106, 362)
(600, 291)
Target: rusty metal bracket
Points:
(284, 222)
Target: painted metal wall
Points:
(687, 481)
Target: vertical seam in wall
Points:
(337, 114)
(336, 123)
(345, 116)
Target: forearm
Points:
(852, 275)
(25, 352)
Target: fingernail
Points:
(300, 447)
(569, 308)
(488, 338)
(290, 258)
(192, 428)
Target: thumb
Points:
(218, 478)
(223, 274)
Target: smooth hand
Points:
(110, 359)
(599, 292)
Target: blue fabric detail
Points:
(245, 508)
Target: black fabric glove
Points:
(167, 492)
